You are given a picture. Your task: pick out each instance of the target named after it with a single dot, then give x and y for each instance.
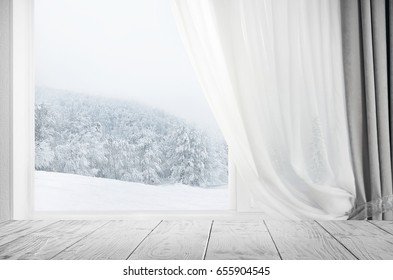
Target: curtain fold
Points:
(272, 72)
(367, 47)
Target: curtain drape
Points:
(367, 29)
(272, 72)
(5, 111)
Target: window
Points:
(121, 123)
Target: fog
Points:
(128, 49)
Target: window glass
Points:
(121, 122)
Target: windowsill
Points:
(137, 215)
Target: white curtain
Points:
(272, 73)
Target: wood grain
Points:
(240, 240)
(385, 225)
(297, 240)
(46, 242)
(12, 230)
(4, 222)
(175, 240)
(189, 239)
(114, 241)
(363, 239)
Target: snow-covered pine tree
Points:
(44, 135)
(150, 157)
(189, 160)
(95, 149)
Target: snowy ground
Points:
(68, 192)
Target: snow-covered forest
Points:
(123, 140)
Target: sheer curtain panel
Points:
(272, 73)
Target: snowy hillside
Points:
(124, 140)
(68, 192)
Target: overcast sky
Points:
(119, 48)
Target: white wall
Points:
(5, 110)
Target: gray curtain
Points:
(5, 109)
(368, 52)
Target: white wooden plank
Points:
(45, 243)
(175, 240)
(12, 230)
(240, 240)
(363, 239)
(385, 225)
(187, 240)
(114, 241)
(4, 222)
(297, 240)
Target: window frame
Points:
(22, 111)
(23, 146)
